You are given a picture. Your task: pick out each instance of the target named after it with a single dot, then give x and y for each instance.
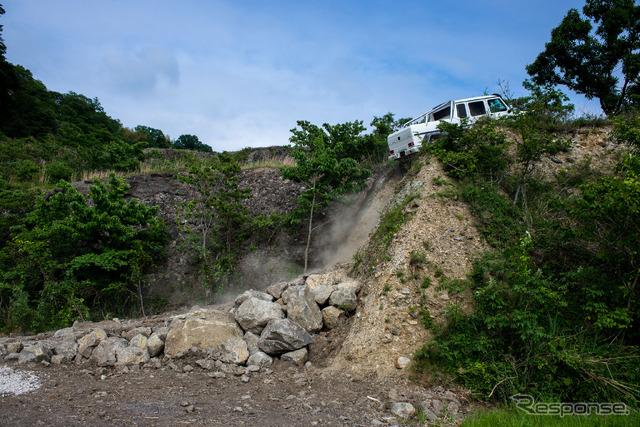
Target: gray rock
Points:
(87, 343)
(430, 416)
(276, 290)
(437, 406)
(161, 332)
(449, 396)
(14, 347)
(206, 364)
(155, 344)
(333, 317)
(105, 353)
(353, 285)
(344, 298)
(12, 357)
(326, 279)
(453, 407)
(58, 359)
(67, 349)
(143, 330)
(38, 352)
(322, 293)
(298, 357)
(65, 333)
(261, 359)
(253, 314)
(403, 410)
(139, 341)
(252, 293)
(3, 350)
(402, 362)
(252, 342)
(302, 308)
(201, 330)
(283, 335)
(234, 351)
(128, 356)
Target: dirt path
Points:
(286, 395)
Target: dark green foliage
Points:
(153, 137)
(190, 142)
(470, 152)
(596, 55)
(216, 222)
(324, 165)
(557, 306)
(72, 259)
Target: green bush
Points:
(72, 259)
(556, 304)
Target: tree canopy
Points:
(597, 55)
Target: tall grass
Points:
(152, 164)
(514, 417)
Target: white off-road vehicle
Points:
(422, 129)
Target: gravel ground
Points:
(14, 382)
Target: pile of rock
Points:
(261, 325)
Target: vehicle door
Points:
(497, 107)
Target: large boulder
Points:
(38, 352)
(139, 341)
(87, 343)
(261, 359)
(253, 314)
(132, 356)
(204, 329)
(333, 317)
(322, 293)
(354, 285)
(143, 330)
(283, 335)
(326, 279)
(155, 344)
(65, 333)
(234, 351)
(344, 298)
(105, 353)
(66, 349)
(252, 342)
(302, 308)
(251, 293)
(276, 290)
(298, 357)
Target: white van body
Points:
(422, 129)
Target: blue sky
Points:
(241, 73)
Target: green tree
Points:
(190, 142)
(603, 63)
(322, 166)
(154, 137)
(72, 258)
(3, 47)
(215, 222)
(543, 109)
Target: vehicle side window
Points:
(445, 113)
(496, 106)
(477, 108)
(462, 111)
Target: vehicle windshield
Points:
(496, 105)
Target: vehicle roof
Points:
(475, 98)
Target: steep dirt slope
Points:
(387, 324)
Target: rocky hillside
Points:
(333, 347)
